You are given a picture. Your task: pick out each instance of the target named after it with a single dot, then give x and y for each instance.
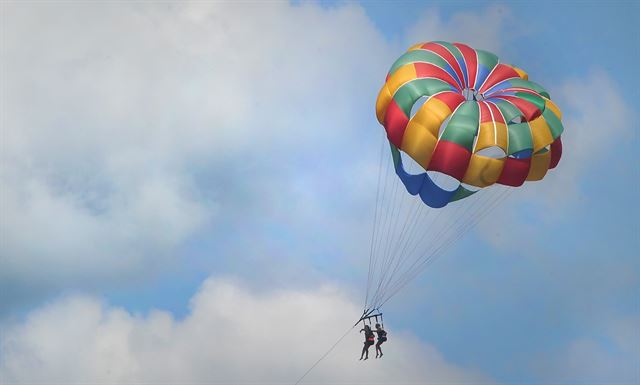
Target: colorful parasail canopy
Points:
(466, 118)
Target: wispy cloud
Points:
(595, 117)
(611, 356)
(491, 28)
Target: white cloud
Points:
(115, 116)
(611, 357)
(231, 335)
(490, 29)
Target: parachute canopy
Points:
(467, 120)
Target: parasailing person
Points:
(382, 337)
(369, 340)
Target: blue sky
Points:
(208, 163)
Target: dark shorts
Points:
(381, 340)
(368, 343)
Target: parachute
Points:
(457, 121)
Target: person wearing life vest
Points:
(382, 337)
(369, 339)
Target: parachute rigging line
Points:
(325, 354)
(458, 121)
(418, 268)
(375, 217)
(404, 253)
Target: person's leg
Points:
(378, 351)
(380, 347)
(364, 349)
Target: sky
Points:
(187, 195)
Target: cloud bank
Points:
(120, 145)
(232, 335)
